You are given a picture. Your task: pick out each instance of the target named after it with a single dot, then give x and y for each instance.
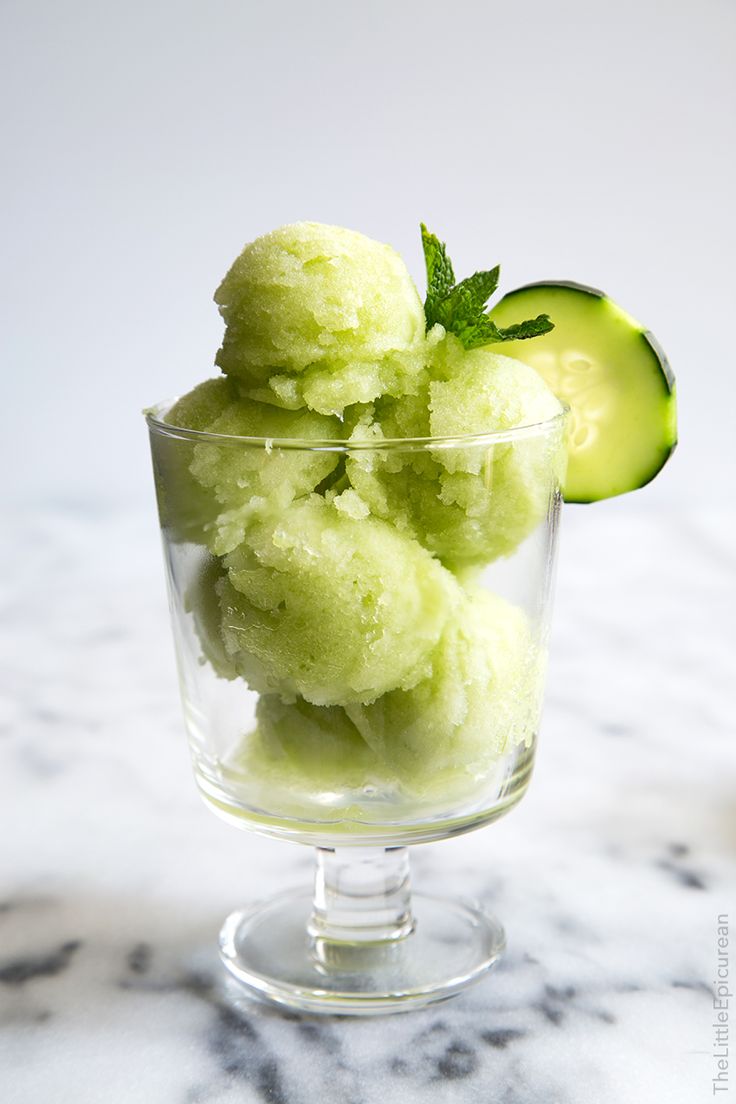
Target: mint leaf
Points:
(460, 307)
(440, 276)
(520, 331)
(485, 332)
(466, 301)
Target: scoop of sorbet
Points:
(220, 481)
(331, 606)
(479, 699)
(320, 316)
(467, 505)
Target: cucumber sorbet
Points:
(342, 586)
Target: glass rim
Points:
(156, 424)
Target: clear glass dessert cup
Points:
(361, 636)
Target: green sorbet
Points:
(472, 505)
(320, 316)
(479, 699)
(331, 606)
(219, 484)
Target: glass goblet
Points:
(361, 636)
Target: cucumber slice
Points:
(615, 378)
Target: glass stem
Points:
(361, 895)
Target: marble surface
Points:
(609, 876)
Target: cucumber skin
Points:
(654, 349)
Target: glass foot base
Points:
(268, 948)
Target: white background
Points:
(146, 142)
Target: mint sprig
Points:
(460, 307)
(440, 276)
